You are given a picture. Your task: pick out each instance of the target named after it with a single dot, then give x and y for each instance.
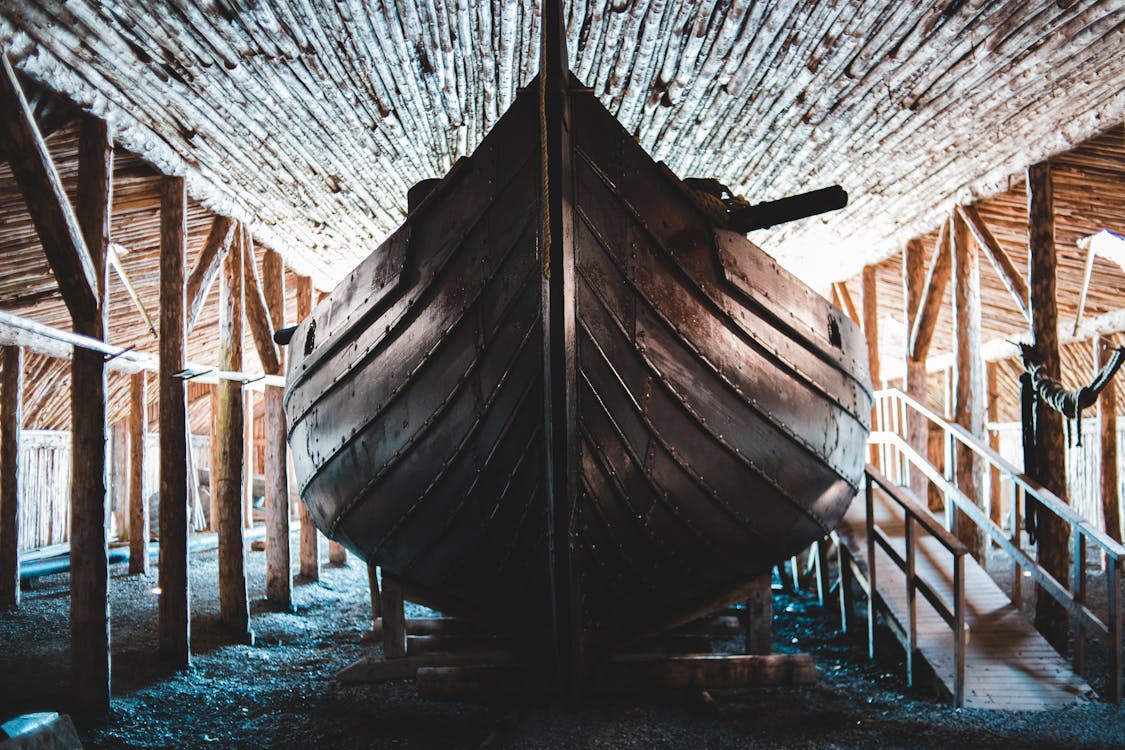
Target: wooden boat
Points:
(561, 398)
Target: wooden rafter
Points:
(1009, 275)
(207, 266)
(923, 325)
(257, 312)
(847, 302)
(51, 212)
(119, 269)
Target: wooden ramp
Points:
(1008, 664)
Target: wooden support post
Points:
(337, 555)
(11, 402)
(871, 333)
(216, 441)
(995, 505)
(250, 463)
(279, 577)
(119, 482)
(913, 279)
(174, 624)
(138, 493)
(1050, 445)
(309, 552)
(968, 389)
(394, 619)
(226, 480)
(759, 617)
(871, 322)
(1107, 420)
(89, 554)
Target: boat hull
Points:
(594, 406)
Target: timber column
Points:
(1050, 446)
(174, 623)
(11, 397)
(226, 483)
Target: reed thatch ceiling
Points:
(310, 119)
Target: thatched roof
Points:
(310, 120)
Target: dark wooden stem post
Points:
(138, 493)
(310, 562)
(278, 574)
(914, 278)
(89, 562)
(226, 484)
(1107, 419)
(337, 555)
(1050, 441)
(11, 401)
(995, 505)
(969, 385)
(173, 624)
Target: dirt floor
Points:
(281, 693)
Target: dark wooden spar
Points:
(560, 398)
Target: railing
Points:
(916, 516)
(893, 412)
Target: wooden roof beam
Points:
(923, 325)
(1009, 275)
(846, 301)
(207, 266)
(55, 222)
(119, 269)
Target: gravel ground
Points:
(280, 692)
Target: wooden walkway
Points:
(1008, 664)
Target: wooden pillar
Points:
(138, 493)
(310, 562)
(120, 478)
(174, 631)
(1050, 445)
(914, 279)
(995, 503)
(11, 402)
(226, 482)
(89, 561)
(1107, 420)
(216, 439)
(968, 388)
(871, 333)
(249, 464)
(871, 322)
(278, 573)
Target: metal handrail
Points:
(915, 514)
(1073, 600)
